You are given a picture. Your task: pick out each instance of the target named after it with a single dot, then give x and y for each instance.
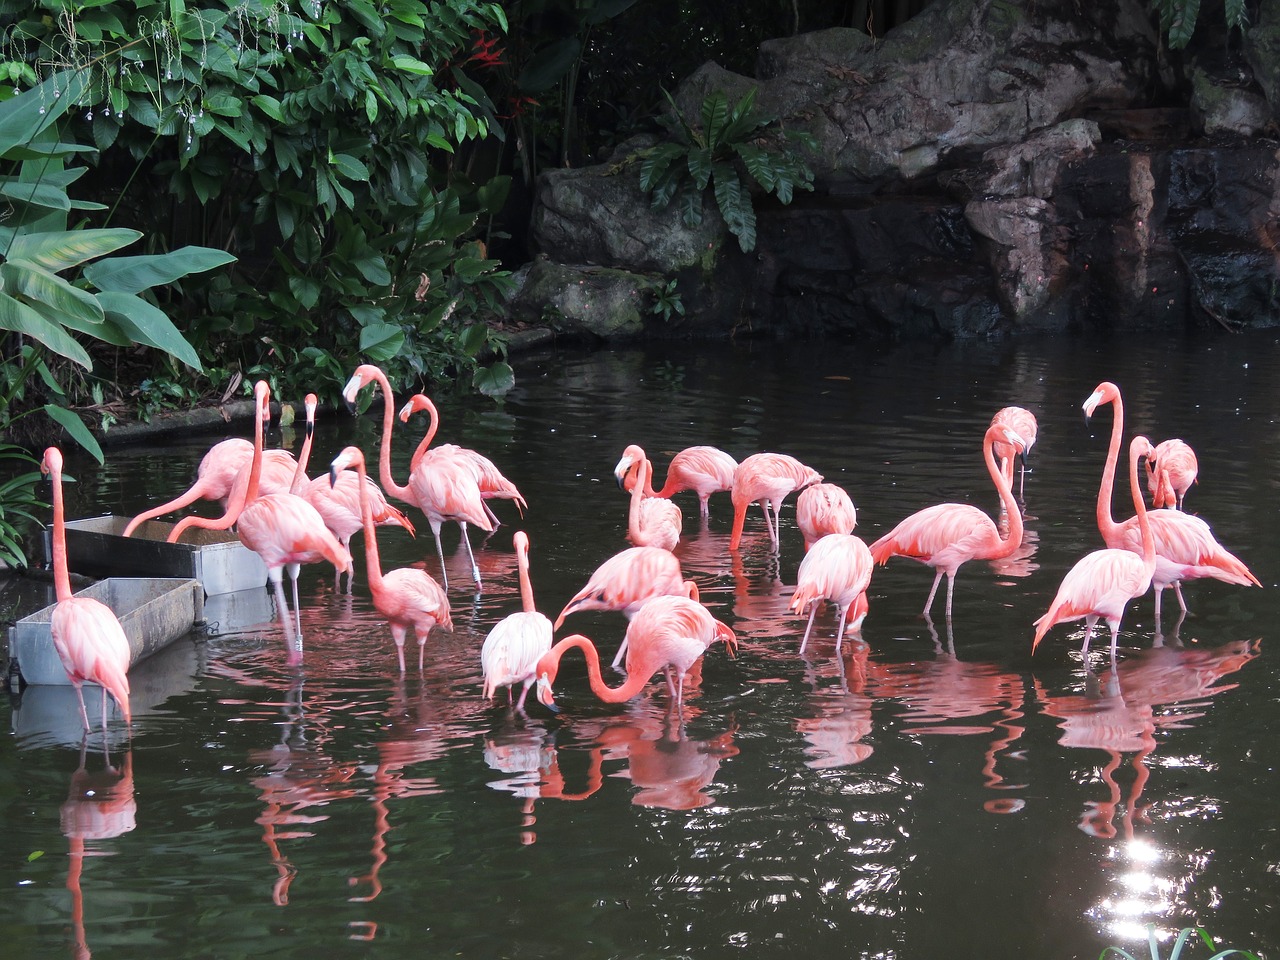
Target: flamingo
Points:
(1171, 472)
(822, 509)
(668, 634)
(407, 597)
(767, 478)
(1023, 423)
(86, 632)
(339, 503)
(1185, 546)
(651, 521)
(515, 644)
(1102, 583)
(282, 528)
(837, 569)
(493, 485)
(448, 491)
(704, 470)
(947, 535)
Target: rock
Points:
(600, 302)
(1227, 109)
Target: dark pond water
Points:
(932, 793)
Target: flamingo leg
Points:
(444, 574)
(398, 634)
(813, 612)
(475, 568)
(84, 714)
(951, 584)
(617, 658)
(933, 591)
(422, 649)
(104, 711)
(704, 506)
(294, 570)
(523, 693)
(777, 525)
(1089, 621)
(844, 612)
(286, 621)
(1177, 592)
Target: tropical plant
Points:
(311, 138)
(1184, 935)
(728, 140)
(667, 301)
(1178, 18)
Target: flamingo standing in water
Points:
(704, 470)
(767, 478)
(1102, 583)
(407, 597)
(651, 521)
(449, 491)
(668, 634)
(1171, 472)
(837, 569)
(947, 535)
(822, 509)
(338, 503)
(1185, 546)
(86, 632)
(515, 644)
(1023, 423)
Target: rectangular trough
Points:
(97, 548)
(153, 612)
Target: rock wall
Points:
(986, 169)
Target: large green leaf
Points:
(135, 274)
(57, 250)
(25, 116)
(21, 318)
(148, 325)
(22, 278)
(546, 67)
(75, 429)
(495, 380)
(36, 194)
(381, 342)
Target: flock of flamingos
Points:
(289, 520)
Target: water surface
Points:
(932, 792)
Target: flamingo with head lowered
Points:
(704, 470)
(515, 644)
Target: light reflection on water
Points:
(934, 791)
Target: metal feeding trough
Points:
(153, 612)
(97, 547)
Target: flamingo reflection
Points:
(99, 806)
(842, 713)
(946, 689)
(1122, 711)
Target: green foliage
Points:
(668, 301)
(19, 505)
(1178, 19)
(58, 281)
(1184, 936)
(313, 139)
(716, 153)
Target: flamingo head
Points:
(262, 396)
(417, 402)
(630, 457)
(51, 463)
(1105, 392)
(547, 670)
(349, 457)
(727, 636)
(364, 373)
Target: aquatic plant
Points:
(1184, 935)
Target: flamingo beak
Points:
(545, 696)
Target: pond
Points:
(934, 791)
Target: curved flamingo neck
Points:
(304, 455)
(633, 685)
(1011, 542)
(384, 457)
(372, 562)
(1140, 505)
(255, 464)
(241, 494)
(644, 473)
(421, 450)
(61, 577)
(526, 587)
(1106, 523)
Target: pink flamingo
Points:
(86, 632)
(822, 509)
(1171, 473)
(406, 596)
(668, 634)
(1185, 546)
(947, 535)
(339, 503)
(652, 521)
(767, 478)
(493, 485)
(447, 492)
(515, 644)
(283, 529)
(1023, 423)
(1102, 583)
(837, 569)
(704, 470)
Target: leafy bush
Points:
(313, 140)
(681, 169)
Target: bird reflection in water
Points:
(1020, 562)
(1128, 709)
(761, 603)
(842, 712)
(99, 806)
(946, 689)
